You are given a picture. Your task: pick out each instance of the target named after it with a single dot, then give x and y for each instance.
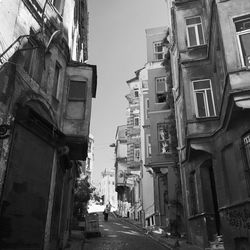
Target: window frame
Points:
(82, 100)
(56, 81)
(156, 53)
(160, 92)
(160, 141)
(148, 145)
(196, 32)
(136, 118)
(238, 34)
(207, 111)
(34, 61)
(139, 153)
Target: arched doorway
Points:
(28, 177)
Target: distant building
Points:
(122, 186)
(108, 187)
(134, 162)
(147, 175)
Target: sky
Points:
(117, 45)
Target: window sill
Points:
(207, 118)
(199, 215)
(197, 46)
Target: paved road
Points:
(120, 235)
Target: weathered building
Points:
(210, 58)
(122, 186)
(134, 147)
(162, 133)
(147, 176)
(45, 106)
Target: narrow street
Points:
(119, 235)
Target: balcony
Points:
(80, 85)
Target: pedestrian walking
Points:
(106, 213)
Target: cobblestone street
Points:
(119, 235)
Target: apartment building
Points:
(134, 147)
(209, 44)
(162, 134)
(122, 181)
(147, 175)
(46, 91)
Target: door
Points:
(26, 190)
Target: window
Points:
(242, 26)
(34, 60)
(193, 194)
(161, 89)
(136, 121)
(76, 100)
(56, 82)
(148, 141)
(136, 93)
(136, 154)
(203, 96)
(158, 51)
(163, 138)
(147, 108)
(194, 30)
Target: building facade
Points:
(147, 175)
(134, 163)
(121, 171)
(209, 44)
(108, 188)
(163, 136)
(46, 91)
